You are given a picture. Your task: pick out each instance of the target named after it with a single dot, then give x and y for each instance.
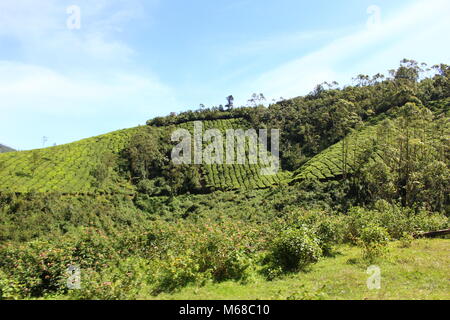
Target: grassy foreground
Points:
(421, 271)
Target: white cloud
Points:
(40, 29)
(419, 29)
(30, 88)
(62, 83)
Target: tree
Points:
(256, 99)
(409, 70)
(144, 154)
(406, 163)
(35, 161)
(104, 169)
(230, 100)
(182, 178)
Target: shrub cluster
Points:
(124, 252)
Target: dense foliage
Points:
(123, 251)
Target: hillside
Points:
(4, 149)
(331, 163)
(64, 168)
(365, 171)
(325, 135)
(70, 168)
(366, 145)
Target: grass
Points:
(421, 271)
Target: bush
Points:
(426, 221)
(373, 240)
(328, 234)
(122, 281)
(40, 267)
(176, 271)
(394, 219)
(223, 259)
(294, 249)
(358, 219)
(9, 289)
(406, 240)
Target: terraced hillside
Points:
(235, 176)
(65, 168)
(346, 155)
(331, 163)
(68, 168)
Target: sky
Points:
(71, 69)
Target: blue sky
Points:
(132, 60)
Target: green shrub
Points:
(358, 218)
(294, 249)
(406, 240)
(328, 234)
(124, 280)
(394, 219)
(223, 258)
(40, 267)
(373, 240)
(9, 289)
(175, 272)
(427, 221)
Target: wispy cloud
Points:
(40, 29)
(276, 43)
(30, 88)
(404, 34)
(75, 76)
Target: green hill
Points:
(349, 154)
(70, 168)
(4, 149)
(331, 164)
(361, 166)
(65, 168)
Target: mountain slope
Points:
(4, 149)
(65, 168)
(69, 168)
(330, 164)
(348, 154)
